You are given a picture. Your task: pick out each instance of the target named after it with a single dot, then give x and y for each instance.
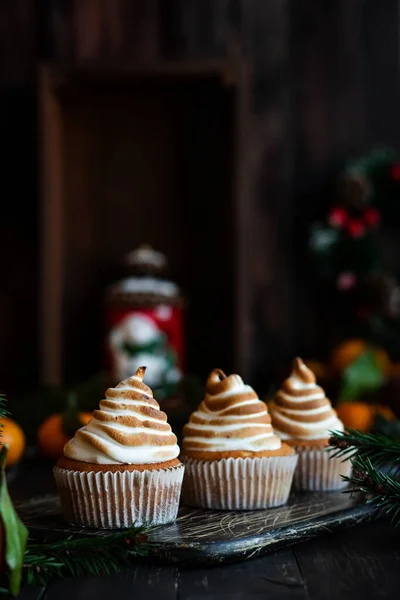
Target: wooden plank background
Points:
(323, 78)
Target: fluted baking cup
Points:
(114, 500)
(238, 483)
(318, 471)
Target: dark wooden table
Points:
(362, 562)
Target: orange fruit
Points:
(51, 437)
(320, 370)
(14, 437)
(345, 353)
(356, 415)
(360, 415)
(349, 350)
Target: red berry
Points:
(356, 228)
(372, 216)
(338, 217)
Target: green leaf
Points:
(14, 531)
(362, 375)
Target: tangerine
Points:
(349, 350)
(14, 437)
(51, 436)
(356, 415)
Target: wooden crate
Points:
(142, 155)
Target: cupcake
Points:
(233, 459)
(122, 468)
(303, 417)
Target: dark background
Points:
(254, 159)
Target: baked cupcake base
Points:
(247, 482)
(317, 470)
(119, 496)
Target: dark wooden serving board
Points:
(205, 536)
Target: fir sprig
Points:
(381, 450)
(369, 452)
(84, 557)
(383, 491)
(3, 411)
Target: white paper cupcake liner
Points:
(238, 483)
(318, 472)
(109, 500)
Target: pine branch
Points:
(3, 411)
(381, 450)
(383, 491)
(368, 453)
(85, 557)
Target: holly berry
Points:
(356, 228)
(338, 217)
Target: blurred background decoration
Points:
(144, 318)
(347, 248)
(364, 306)
(254, 146)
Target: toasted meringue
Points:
(301, 410)
(230, 418)
(129, 428)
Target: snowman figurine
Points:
(137, 341)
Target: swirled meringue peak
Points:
(129, 428)
(301, 410)
(230, 418)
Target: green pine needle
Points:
(83, 557)
(381, 450)
(383, 491)
(369, 453)
(3, 411)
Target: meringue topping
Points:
(129, 428)
(231, 417)
(301, 409)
